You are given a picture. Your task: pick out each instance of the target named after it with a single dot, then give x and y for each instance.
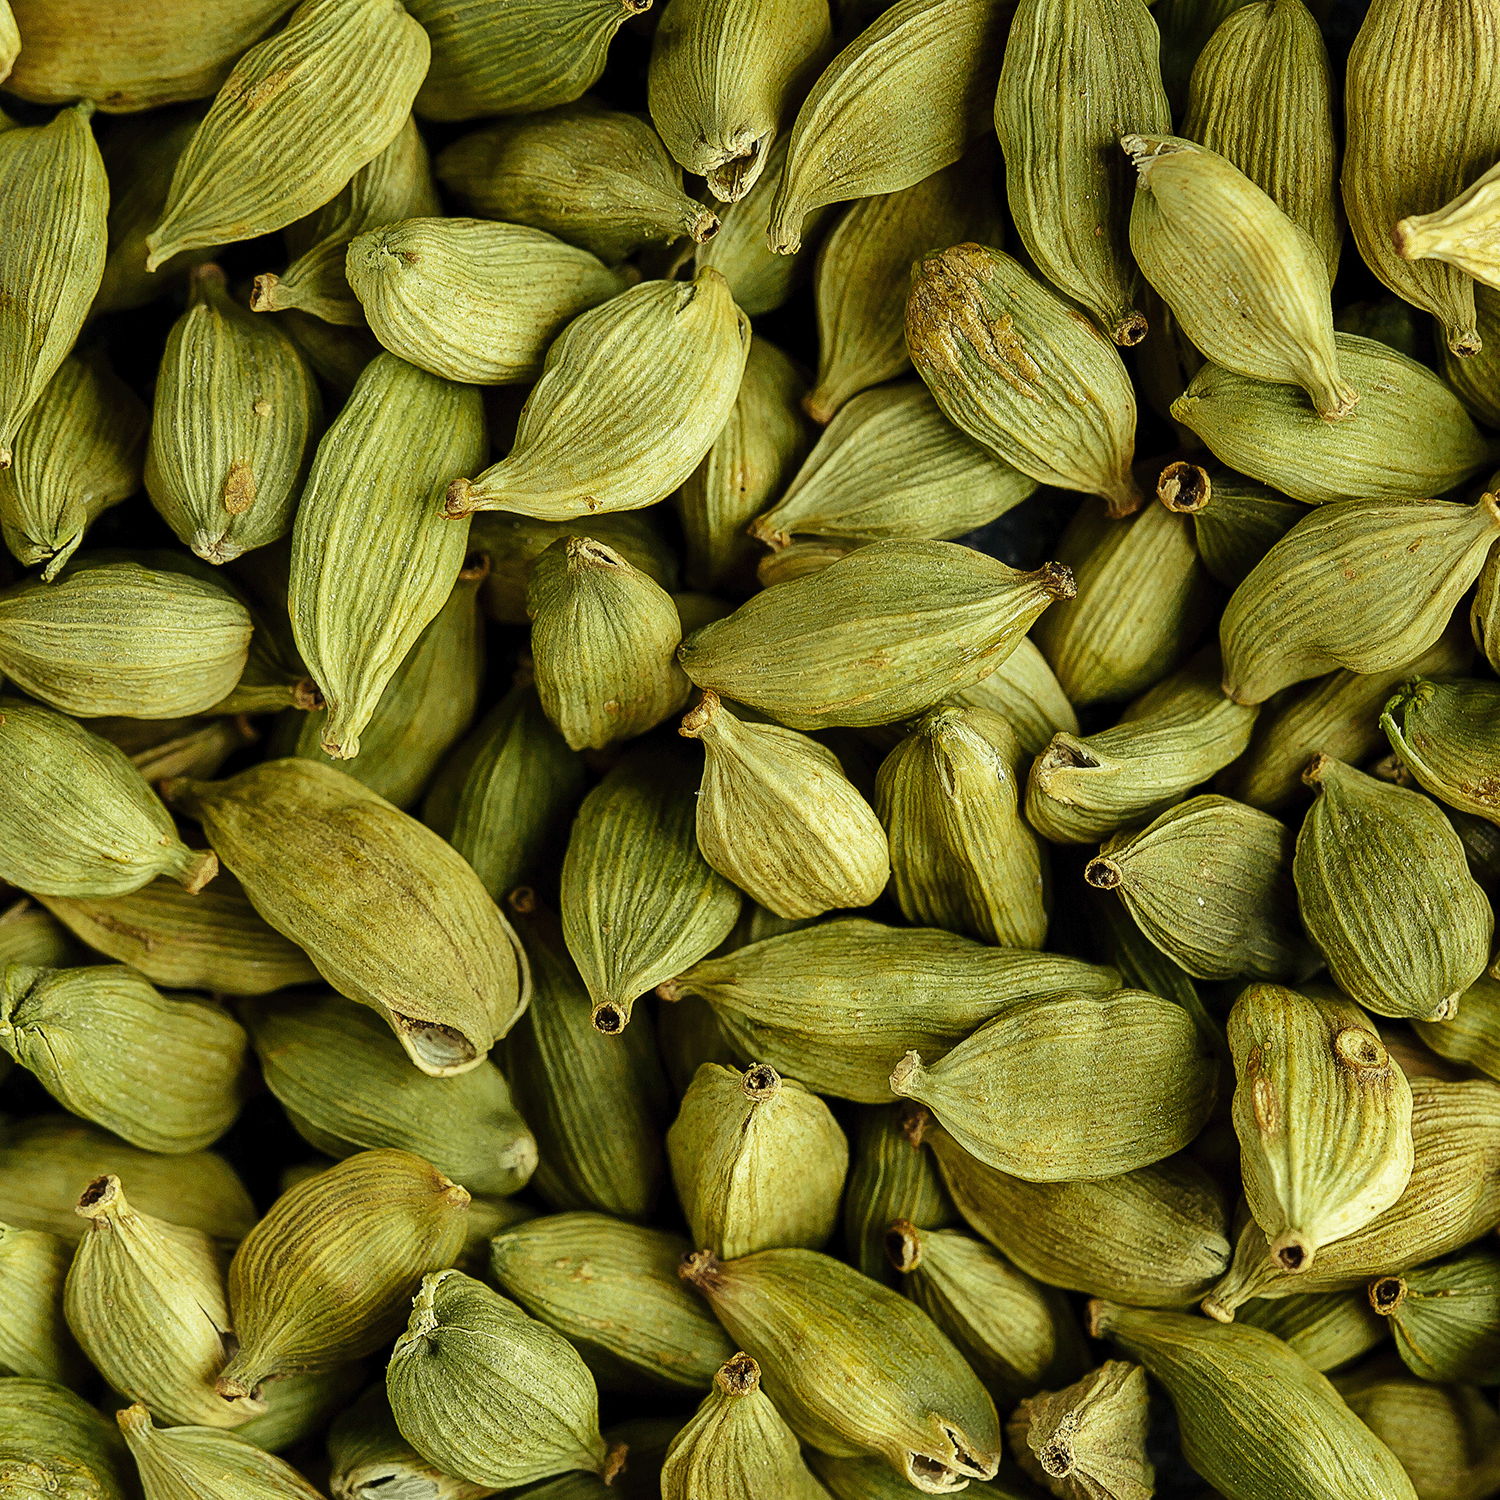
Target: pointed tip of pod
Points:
(202, 868)
(1317, 768)
(1465, 342)
(522, 900)
(694, 722)
(1291, 1252)
(1386, 1294)
(1130, 330)
(903, 1246)
(263, 296)
(1220, 1312)
(99, 1198)
(761, 530)
(700, 1268)
(459, 499)
(670, 990)
(760, 1082)
(906, 1073)
(915, 1121)
(1098, 1316)
(614, 1460)
(1184, 487)
(1336, 400)
(1125, 497)
(5, 457)
(133, 1420)
(1102, 873)
(705, 226)
(1057, 580)
(739, 1376)
(307, 696)
(821, 405)
(610, 1017)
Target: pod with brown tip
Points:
(1090, 1439)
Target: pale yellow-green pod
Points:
(179, 1461)
(35, 1342)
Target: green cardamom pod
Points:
(300, 1407)
(737, 1445)
(333, 87)
(1444, 733)
(1323, 1115)
(1155, 1235)
(31, 935)
(54, 1444)
(891, 466)
(801, 559)
(639, 901)
(757, 1160)
(347, 1086)
(1409, 436)
(962, 857)
(1016, 1335)
(1484, 611)
(176, 1462)
(1403, 935)
(1077, 73)
(338, 355)
(78, 452)
(890, 1178)
(854, 1367)
(1235, 522)
(1412, 141)
(1025, 1095)
(1088, 1442)
(472, 300)
(613, 1292)
(1359, 584)
(874, 1479)
(354, 626)
(856, 136)
(578, 449)
(597, 178)
(863, 274)
(1327, 1329)
(1261, 95)
(1014, 366)
(1247, 284)
(1186, 26)
(1461, 233)
(396, 185)
(166, 1074)
(369, 1459)
(1445, 1317)
(237, 414)
(326, 1275)
(1473, 1035)
(161, 748)
(1209, 882)
(133, 1272)
(837, 1004)
(1233, 1385)
(52, 181)
(489, 1394)
(35, 1341)
(1025, 691)
(777, 816)
(928, 617)
(1475, 378)
(448, 974)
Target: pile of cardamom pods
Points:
(748, 750)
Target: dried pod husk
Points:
(594, 177)
(1338, 714)
(166, 1074)
(1473, 1035)
(1156, 1235)
(748, 466)
(1014, 366)
(579, 449)
(1025, 1093)
(1186, 26)
(613, 1292)
(34, 1338)
(639, 901)
(1359, 584)
(134, 1272)
(179, 1461)
(299, 1407)
(1445, 1318)
(52, 181)
(891, 466)
(1017, 1336)
(47, 1160)
(854, 1367)
(326, 1276)
(1262, 96)
(347, 1086)
(758, 1162)
(1209, 882)
(368, 1458)
(489, 1394)
(334, 86)
(52, 1443)
(1088, 1442)
(1386, 895)
(837, 1004)
(237, 412)
(1408, 437)
(962, 857)
(374, 492)
(855, 135)
(506, 796)
(1412, 141)
(891, 1177)
(1464, 233)
(1171, 739)
(1475, 378)
(1453, 1197)
(1323, 1115)
(604, 638)
(396, 185)
(863, 275)
(1076, 74)
(472, 300)
(1327, 1329)
(883, 633)
(78, 452)
(1247, 284)
(1235, 522)
(1484, 610)
(1322, 1448)
(31, 935)
(159, 748)
(799, 559)
(1025, 692)
(777, 816)
(1446, 736)
(723, 77)
(122, 638)
(1143, 600)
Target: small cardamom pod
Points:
(1235, 522)
(1444, 1317)
(35, 1341)
(1088, 1442)
(1444, 733)
(891, 1178)
(175, 1462)
(1473, 1035)
(53, 1443)
(369, 1459)
(1328, 1329)
(1025, 691)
